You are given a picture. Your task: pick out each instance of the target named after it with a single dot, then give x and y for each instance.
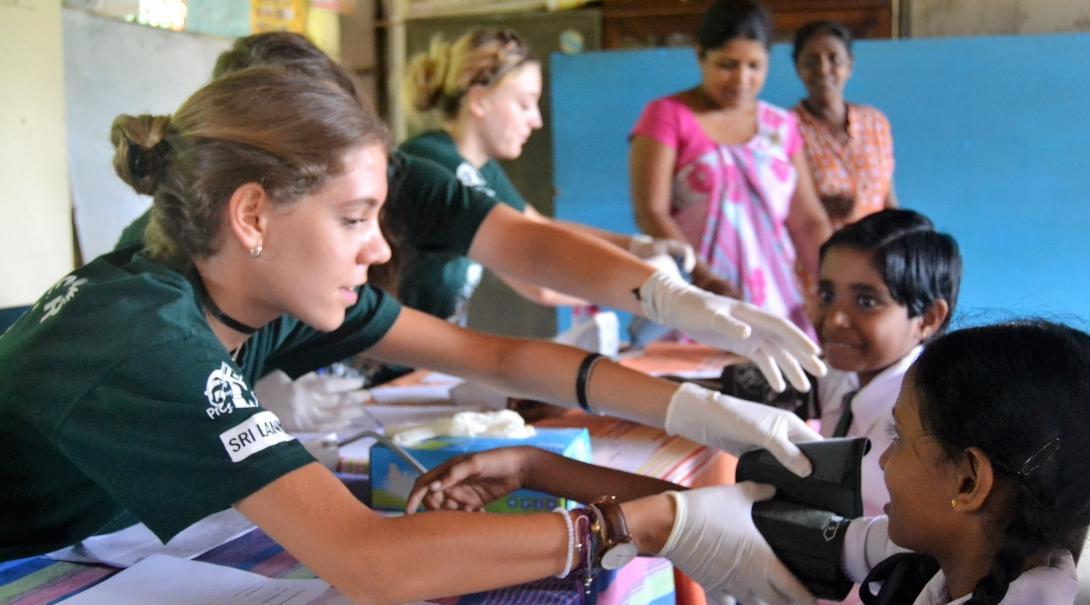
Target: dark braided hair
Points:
(1020, 392)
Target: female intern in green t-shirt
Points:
(267, 187)
(483, 90)
(442, 225)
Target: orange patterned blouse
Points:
(858, 170)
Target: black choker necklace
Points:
(216, 312)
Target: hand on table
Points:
(470, 481)
(773, 343)
(715, 542)
(735, 425)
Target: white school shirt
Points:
(867, 543)
(872, 409)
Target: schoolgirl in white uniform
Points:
(985, 473)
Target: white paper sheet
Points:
(168, 580)
(128, 546)
(417, 394)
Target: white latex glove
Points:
(715, 542)
(735, 425)
(312, 403)
(664, 263)
(645, 247)
(772, 342)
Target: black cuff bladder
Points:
(805, 523)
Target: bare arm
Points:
(374, 559)
(471, 481)
(536, 293)
(807, 222)
(650, 172)
(617, 239)
(539, 294)
(582, 482)
(544, 253)
(524, 368)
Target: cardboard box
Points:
(392, 478)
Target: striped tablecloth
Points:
(39, 580)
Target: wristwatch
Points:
(617, 548)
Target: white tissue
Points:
(498, 424)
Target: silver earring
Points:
(256, 251)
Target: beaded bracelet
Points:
(571, 541)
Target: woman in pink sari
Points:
(718, 168)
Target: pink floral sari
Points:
(732, 201)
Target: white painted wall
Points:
(112, 67)
(934, 18)
(35, 232)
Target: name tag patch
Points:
(260, 431)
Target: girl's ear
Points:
(476, 101)
(975, 481)
(247, 219)
(933, 318)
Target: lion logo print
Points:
(226, 390)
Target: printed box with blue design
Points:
(392, 478)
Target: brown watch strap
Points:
(616, 528)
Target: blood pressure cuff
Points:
(806, 521)
(835, 484)
(809, 542)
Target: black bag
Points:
(745, 381)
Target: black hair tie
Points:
(144, 162)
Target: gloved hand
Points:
(312, 403)
(734, 425)
(645, 247)
(665, 264)
(715, 542)
(773, 343)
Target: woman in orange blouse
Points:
(849, 147)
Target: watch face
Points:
(619, 555)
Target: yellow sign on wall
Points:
(278, 15)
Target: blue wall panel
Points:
(991, 135)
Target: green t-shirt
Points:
(118, 403)
(458, 275)
(436, 218)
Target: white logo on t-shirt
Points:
(469, 176)
(260, 431)
(226, 390)
(70, 284)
